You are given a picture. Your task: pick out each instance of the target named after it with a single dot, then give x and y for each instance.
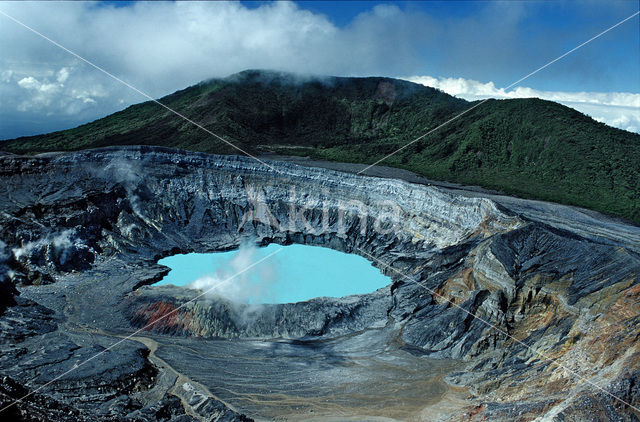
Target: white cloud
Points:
(617, 109)
(160, 47)
(622, 117)
(29, 83)
(200, 40)
(49, 92)
(41, 93)
(63, 74)
(197, 41)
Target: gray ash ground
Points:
(82, 232)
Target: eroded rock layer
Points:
(491, 315)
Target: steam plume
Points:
(252, 286)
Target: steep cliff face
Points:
(541, 319)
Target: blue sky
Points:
(534, 33)
(471, 49)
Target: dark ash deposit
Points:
(81, 234)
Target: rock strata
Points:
(528, 318)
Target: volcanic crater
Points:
(496, 311)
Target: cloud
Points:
(50, 93)
(198, 41)
(617, 109)
(41, 95)
(160, 47)
(63, 74)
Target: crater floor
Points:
(499, 309)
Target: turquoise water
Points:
(295, 273)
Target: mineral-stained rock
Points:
(522, 315)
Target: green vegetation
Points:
(526, 147)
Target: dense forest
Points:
(526, 147)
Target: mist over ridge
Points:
(561, 154)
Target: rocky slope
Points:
(492, 314)
(526, 147)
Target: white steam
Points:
(61, 244)
(234, 282)
(128, 173)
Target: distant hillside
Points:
(526, 147)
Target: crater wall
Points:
(530, 309)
